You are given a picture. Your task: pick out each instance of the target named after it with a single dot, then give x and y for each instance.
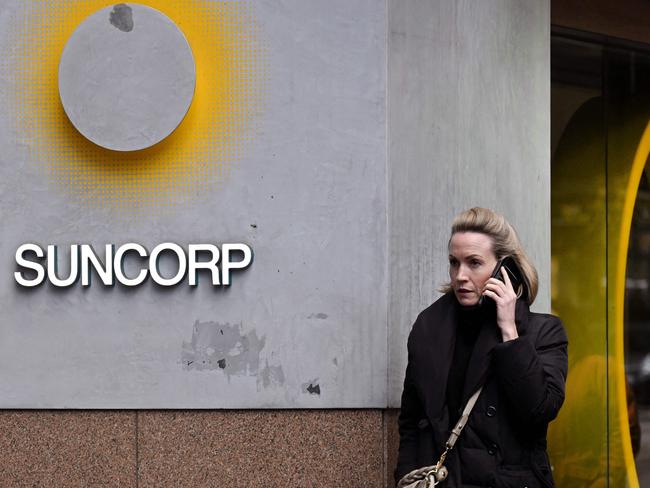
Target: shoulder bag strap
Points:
(455, 432)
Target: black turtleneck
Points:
(468, 328)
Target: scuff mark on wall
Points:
(217, 346)
(321, 316)
(312, 387)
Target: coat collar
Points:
(489, 336)
(443, 324)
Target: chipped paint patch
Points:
(122, 17)
(223, 347)
(312, 387)
(271, 375)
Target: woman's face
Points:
(471, 262)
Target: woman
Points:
(463, 342)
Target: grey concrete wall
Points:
(468, 125)
(304, 326)
(349, 229)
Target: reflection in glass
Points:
(637, 331)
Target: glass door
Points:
(600, 196)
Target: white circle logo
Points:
(126, 77)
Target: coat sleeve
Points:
(411, 412)
(532, 374)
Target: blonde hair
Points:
(505, 242)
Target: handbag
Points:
(430, 476)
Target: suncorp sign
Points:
(83, 259)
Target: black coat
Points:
(504, 441)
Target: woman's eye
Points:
(475, 263)
(453, 262)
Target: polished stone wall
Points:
(256, 448)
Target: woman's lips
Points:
(464, 291)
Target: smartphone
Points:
(509, 264)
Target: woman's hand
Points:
(505, 297)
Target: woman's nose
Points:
(462, 273)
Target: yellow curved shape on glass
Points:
(626, 163)
(595, 178)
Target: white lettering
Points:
(118, 264)
(194, 263)
(84, 260)
(25, 263)
(89, 258)
(53, 266)
(154, 268)
(227, 264)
